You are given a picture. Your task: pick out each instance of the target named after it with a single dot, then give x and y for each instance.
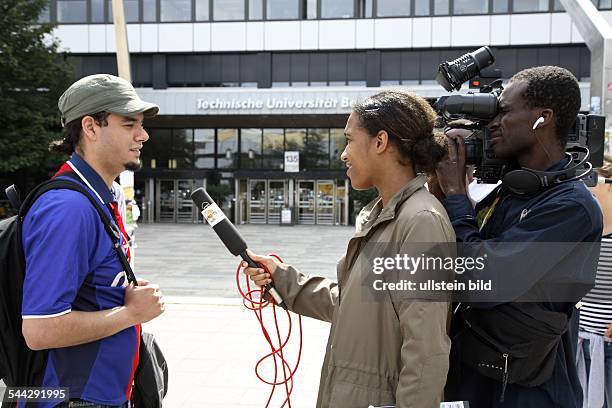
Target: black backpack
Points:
(19, 365)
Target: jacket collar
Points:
(91, 178)
(374, 213)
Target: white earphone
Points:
(537, 123)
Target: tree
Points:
(33, 75)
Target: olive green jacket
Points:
(378, 352)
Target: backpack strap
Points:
(110, 227)
(13, 196)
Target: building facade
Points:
(254, 94)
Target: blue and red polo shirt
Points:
(71, 265)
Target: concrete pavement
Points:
(210, 340)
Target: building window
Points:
(605, 4)
(175, 10)
(250, 148)
(202, 10)
(365, 8)
(182, 148)
(500, 6)
(471, 7)
(149, 10)
(156, 152)
(227, 148)
(316, 151)
(282, 9)
(392, 8)
(337, 143)
(130, 9)
(204, 148)
(227, 10)
(440, 7)
(97, 11)
(72, 11)
(273, 149)
(421, 7)
(45, 15)
(295, 139)
(311, 9)
(525, 6)
(256, 10)
(337, 9)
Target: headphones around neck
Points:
(527, 182)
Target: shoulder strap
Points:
(13, 196)
(110, 227)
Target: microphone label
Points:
(213, 214)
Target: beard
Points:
(133, 166)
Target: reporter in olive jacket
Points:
(385, 352)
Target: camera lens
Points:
(454, 73)
(481, 106)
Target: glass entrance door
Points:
(277, 197)
(306, 202)
(173, 201)
(266, 199)
(184, 203)
(256, 212)
(165, 200)
(325, 202)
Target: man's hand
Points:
(451, 170)
(258, 275)
(144, 302)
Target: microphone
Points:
(228, 234)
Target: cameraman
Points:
(536, 110)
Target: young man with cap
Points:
(77, 303)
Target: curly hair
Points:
(554, 88)
(409, 120)
(72, 133)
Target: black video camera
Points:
(474, 111)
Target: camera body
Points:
(474, 111)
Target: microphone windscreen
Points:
(226, 231)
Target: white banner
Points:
(292, 162)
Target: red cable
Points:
(257, 304)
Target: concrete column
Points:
(237, 201)
(150, 197)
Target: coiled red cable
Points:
(253, 299)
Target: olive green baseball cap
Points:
(102, 92)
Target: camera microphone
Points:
(228, 234)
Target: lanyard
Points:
(489, 212)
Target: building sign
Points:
(279, 101)
(292, 162)
(272, 103)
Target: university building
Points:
(254, 94)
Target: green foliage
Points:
(33, 75)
